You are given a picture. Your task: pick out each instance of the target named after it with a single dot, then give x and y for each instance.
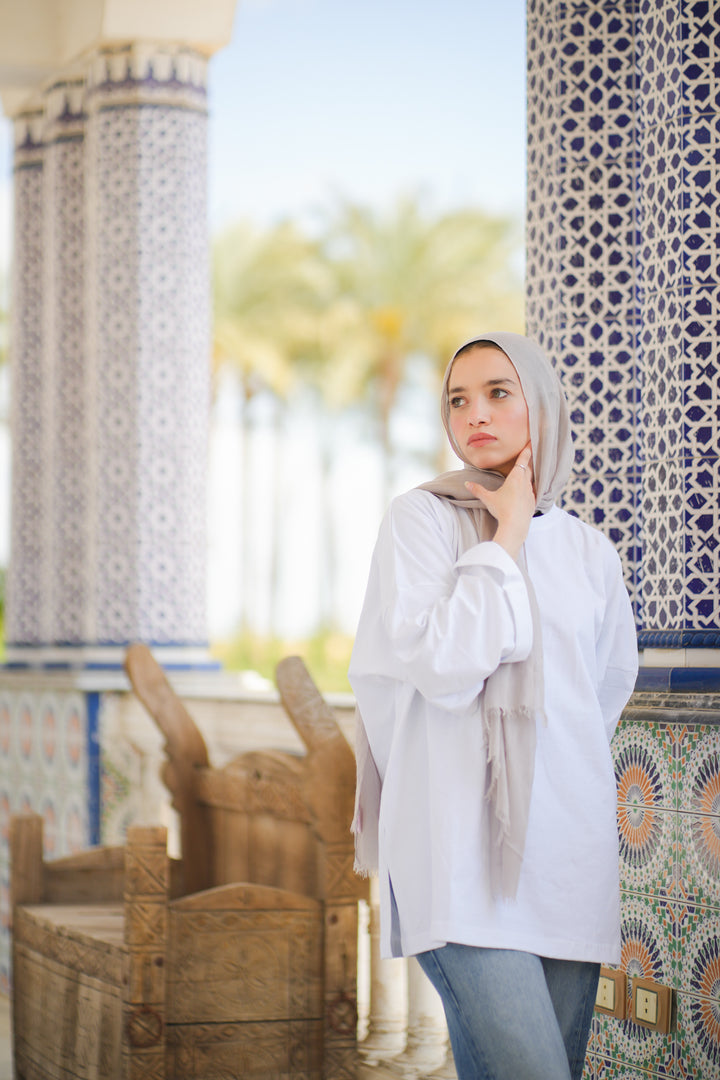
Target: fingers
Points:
(524, 460)
(524, 457)
(477, 490)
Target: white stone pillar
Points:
(426, 1050)
(387, 1025)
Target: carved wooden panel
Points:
(341, 881)
(244, 965)
(147, 876)
(340, 1062)
(283, 1050)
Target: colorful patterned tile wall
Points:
(622, 241)
(49, 765)
(667, 764)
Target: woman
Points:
(495, 652)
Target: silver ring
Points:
(521, 466)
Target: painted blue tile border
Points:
(679, 639)
(695, 680)
(92, 708)
(23, 665)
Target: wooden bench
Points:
(239, 959)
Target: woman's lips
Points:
(480, 440)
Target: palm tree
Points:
(415, 284)
(265, 285)
(347, 313)
(264, 289)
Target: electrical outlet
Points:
(651, 1005)
(612, 993)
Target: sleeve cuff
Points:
(491, 556)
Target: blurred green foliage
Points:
(326, 654)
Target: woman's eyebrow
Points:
(489, 382)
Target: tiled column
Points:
(111, 360)
(581, 290)
(27, 617)
(623, 132)
(68, 410)
(679, 294)
(148, 334)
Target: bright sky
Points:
(368, 98)
(365, 98)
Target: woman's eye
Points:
(498, 392)
(456, 402)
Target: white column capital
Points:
(42, 40)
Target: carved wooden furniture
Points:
(239, 960)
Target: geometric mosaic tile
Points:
(697, 767)
(45, 769)
(647, 821)
(603, 404)
(698, 1017)
(700, 802)
(623, 283)
(27, 581)
(68, 464)
(648, 934)
(644, 766)
(699, 858)
(648, 845)
(150, 550)
(698, 1036)
(596, 85)
(611, 502)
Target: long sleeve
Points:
(617, 652)
(439, 614)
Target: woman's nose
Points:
(478, 413)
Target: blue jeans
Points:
(512, 1015)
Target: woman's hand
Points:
(512, 505)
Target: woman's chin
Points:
(491, 463)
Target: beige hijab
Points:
(513, 695)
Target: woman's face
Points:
(488, 412)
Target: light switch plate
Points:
(651, 1005)
(611, 997)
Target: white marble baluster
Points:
(387, 1022)
(426, 1050)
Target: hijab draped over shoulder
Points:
(512, 697)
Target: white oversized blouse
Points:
(441, 612)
